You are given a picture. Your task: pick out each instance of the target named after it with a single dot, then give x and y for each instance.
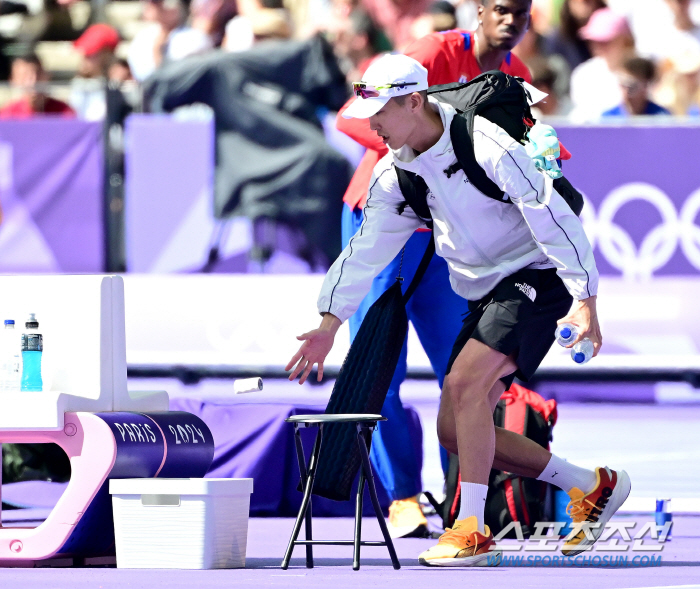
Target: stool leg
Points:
(300, 454)
(304, 475)
(373, 496)
(309, 535)
(305, 502)
(358, 522)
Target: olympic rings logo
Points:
(658, 246)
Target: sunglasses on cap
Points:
(362, 90)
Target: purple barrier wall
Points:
(51, 178)
(169, 193)
(170, 178)
(643, 191)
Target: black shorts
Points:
(509, 321)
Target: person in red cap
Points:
(28, 75)
(97, 45)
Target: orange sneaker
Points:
(406, 519)
(597, 507)
(463, 546)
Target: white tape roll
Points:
(247, 385)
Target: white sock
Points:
(473, 502)
(566, 476)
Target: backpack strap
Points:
(415, 191)
(517, 503)
(461, 131)
(422, 267)
(572, 196)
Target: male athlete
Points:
(524, 266)
(435, 310)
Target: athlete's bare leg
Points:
(465, 426)
(511, 452)
(473, 375)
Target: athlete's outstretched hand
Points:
(317, 344)
(583, 315)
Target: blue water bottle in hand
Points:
(582, 352)
(566, 334)
(32, 348)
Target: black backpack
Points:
(499, 98)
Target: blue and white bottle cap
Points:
(9, 321)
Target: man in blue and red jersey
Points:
(435, 310)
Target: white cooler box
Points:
(181, 523)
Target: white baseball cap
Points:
(387, 77)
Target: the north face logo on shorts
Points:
(527, 290)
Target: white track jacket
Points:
(481, 239)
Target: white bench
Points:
(84, 359)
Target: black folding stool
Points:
(365, 426)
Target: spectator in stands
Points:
(546, 79)
(270, 23)
(533, 49)
(681, 17)
(444, 16)
(28, 76)
(167, 39)
(52, 23)
(211, 16)
(356, 43)
(679, 87)
(309, 17)
(566, 40)
(242, 32)
(467, 14)
(636, 78)
(119, 71)
(396, 18)
(238, 35)
(440, 16)
(97, 45)
(594, 83)
(657, 25)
